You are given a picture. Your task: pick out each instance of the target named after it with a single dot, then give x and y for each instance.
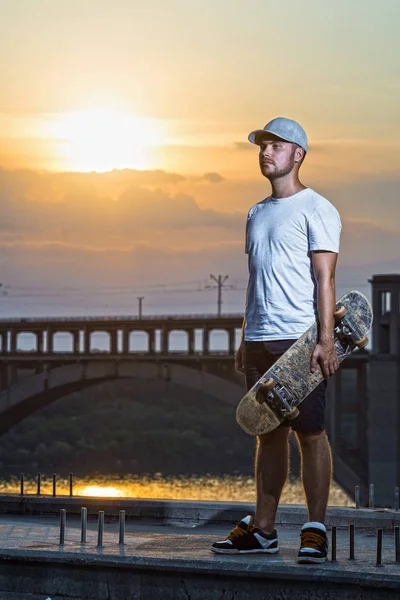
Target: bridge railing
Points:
(123, 318)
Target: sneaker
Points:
(247, 539)
(314, 543)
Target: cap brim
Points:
(261, 133)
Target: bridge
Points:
(31, 379)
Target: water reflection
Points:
(230, 488)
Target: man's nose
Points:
(266, 151)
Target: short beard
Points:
(282, 172)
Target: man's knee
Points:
(274, 437)
(310, 438)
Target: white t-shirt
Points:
(281, 298)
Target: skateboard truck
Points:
(344, 330)
(275, 392)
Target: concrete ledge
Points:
(75, 577)
(175, 511)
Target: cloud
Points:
(42, 209)
(213, 177)
(243, 146)
(47, 185)
(59, 229)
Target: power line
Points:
(220, 284)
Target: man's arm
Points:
(324, 265)
(240, 357)
(244, 318)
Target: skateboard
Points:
(277, 394)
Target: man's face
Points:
(277, 157)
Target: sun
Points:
(102, 140)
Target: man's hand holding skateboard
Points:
(325, 354)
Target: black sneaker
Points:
(314, 543)
(247, 539)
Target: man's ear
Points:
(299, 154)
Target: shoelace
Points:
(309, 539)
(238, 532)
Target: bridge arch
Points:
(30, 394)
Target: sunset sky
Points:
(125, 168)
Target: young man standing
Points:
(292, 242)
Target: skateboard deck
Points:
(289, 381)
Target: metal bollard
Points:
(333, 544)
(71, 484)
(21, 479)
(397, 544)
(396, 498)
(100, 528)
(54, 484)
(357, 496)
(371, 496)
(83, 525)
(63, 518)
(121, 527)
(38, 483)
(379, 548)
(351, 542)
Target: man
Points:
(292, 242)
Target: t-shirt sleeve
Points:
(324, 228)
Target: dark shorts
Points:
(260, 356)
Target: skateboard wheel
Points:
(361, 343)
(268, 385)
(264, 389)
(340, 312)
(292, 414)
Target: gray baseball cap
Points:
(286, 129)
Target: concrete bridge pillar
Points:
(3, 377)
(86, 341)
(13, 343)
(191, 341)
(152, 341)
(206, 341)
(76, 337)
(114, 341)
(383, 433)
(3, 342)
(11, 375)
(50, 341)
(164, 340)
(125, 340)
(39, 341)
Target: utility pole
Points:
(220, 284)
(140, 298)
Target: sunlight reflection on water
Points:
(233, 488)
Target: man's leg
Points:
(316, 473)
(271, 470)
(316, 470)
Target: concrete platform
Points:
(174, 562)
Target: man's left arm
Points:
(324, 265)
